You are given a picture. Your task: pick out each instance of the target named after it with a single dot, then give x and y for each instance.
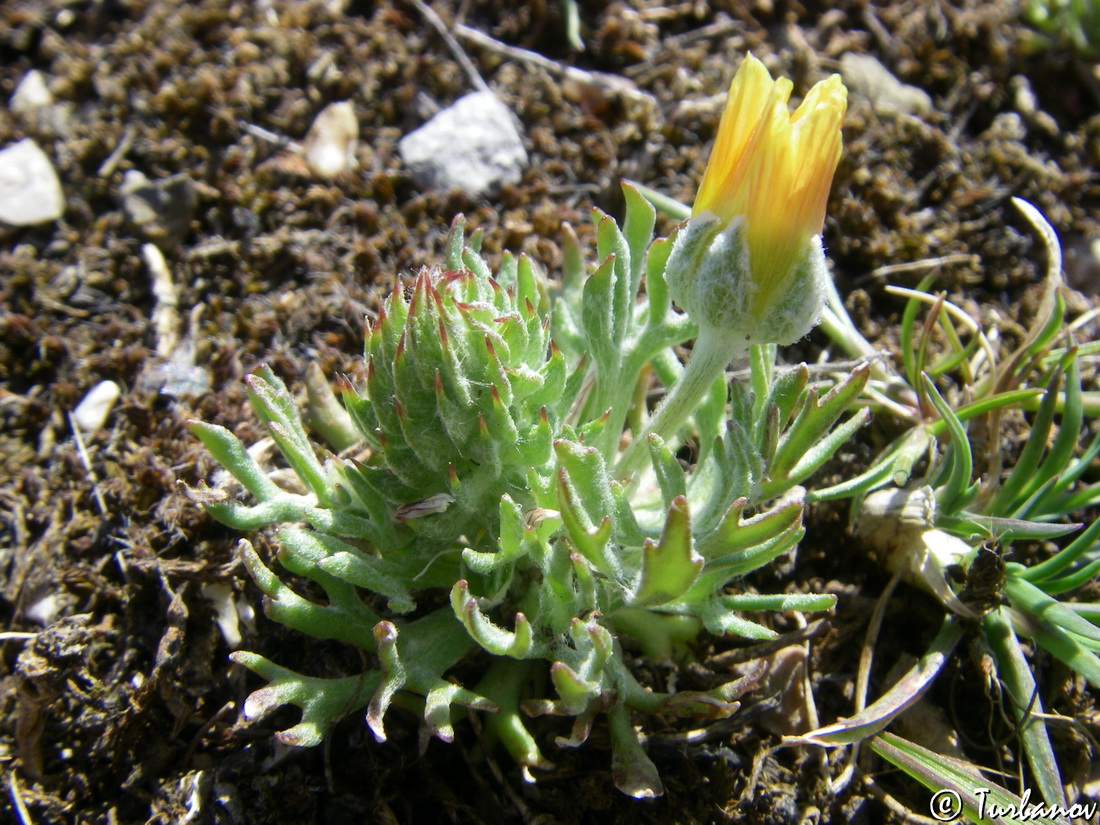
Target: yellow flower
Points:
(774, 168)
(748, 267)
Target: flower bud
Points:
(749, 265)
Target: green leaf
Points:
(456, 240)
(710, 420)
(587, 474)
(1007, 530)
(757, 602)
(272, 401)
(1063, 645)
(496, 640)
(1030, 599)
(597, 316)
(322, 701)
(1069, 428)
(1072, 474)
(611, 245)
(1069, 554)
(670, 565)
(910, 353)
(346, 563)
(736, 534)
(274, 406)
(1021, 483)
(345, 618)
(815, 419)
(999, 401)
(720, 569)
(661, 636)
(591, 542)
(1078, 578)
(905, 693)
(393, 677)
(631, 770)
(326, 416)
(670, 475)
(302, 460)
(957, 491)
(472, 260)
(944, 774)
(432, 645)
(637, 230)
(575, 692)
(816, 456)
(958, 354)
(503, 683)
(1026, 706)
(720, 620)
(228, 451)
(656, 287)
(669, 206)
(786, 389)
(732, 471)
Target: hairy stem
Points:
(709, 358)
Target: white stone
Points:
(473, 145)
(30, 192)
(330, 145)
(30, 94)
(867, 77)
(45, 610)
(91, 413)
(220, 596)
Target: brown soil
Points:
(123, 708)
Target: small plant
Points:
(1075, 23)
(475, 500)
(952, 534)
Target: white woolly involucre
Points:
(710, 276)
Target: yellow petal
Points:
(816, 145)
(773, 169)
(751, 92)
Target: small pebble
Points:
(91, 413)
(220, 596)
(30, 192)
(867, 77)
(332, 140)
(46, 610)
(174, 379)
(160, 210)
(30, 94)
(473, 145)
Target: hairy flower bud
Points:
(748, 267)
(749, 264)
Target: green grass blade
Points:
(895, 701)
(1065, 557)
(957, 491)
(1026, 707)
(952, 780)
(1030, 599)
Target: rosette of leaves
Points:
(479, 460)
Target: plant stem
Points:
(709, 359)
(503, 684)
